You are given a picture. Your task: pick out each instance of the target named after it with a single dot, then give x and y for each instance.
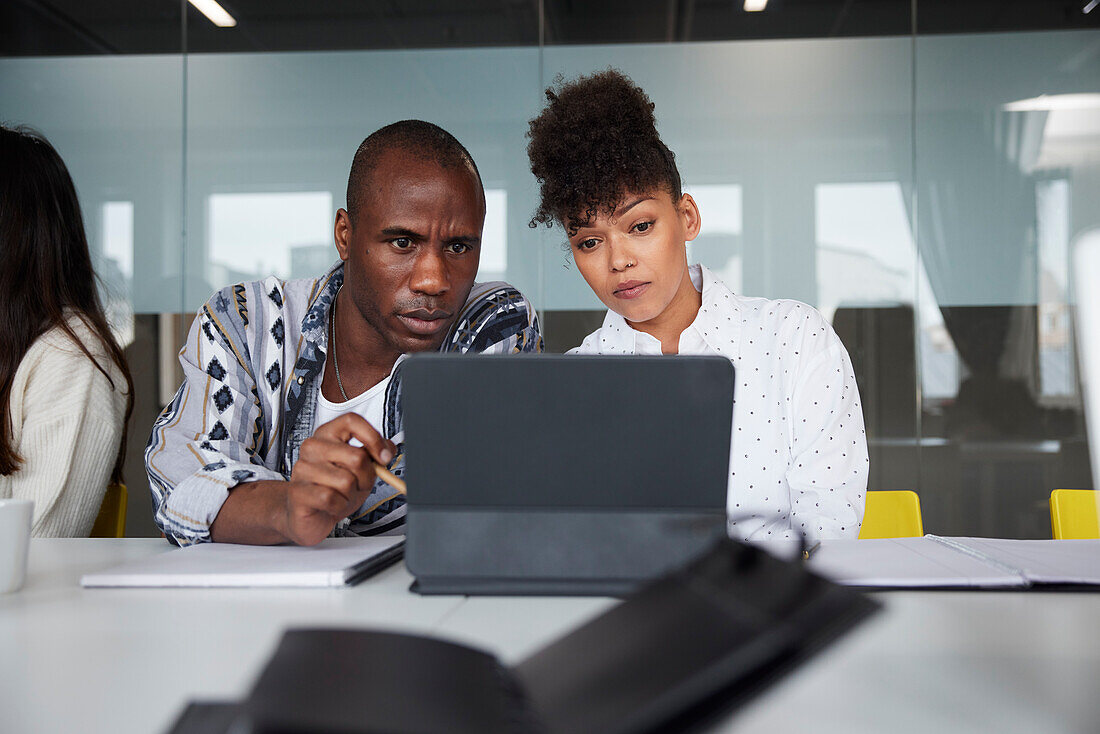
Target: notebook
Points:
(553, 474)
(333, 562)
(1037, 562)
(962, 563)
(676, 656)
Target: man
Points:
(283, 380)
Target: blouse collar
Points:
(717, 324)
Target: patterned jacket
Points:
(252, 367)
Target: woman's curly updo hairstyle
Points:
(595, 142)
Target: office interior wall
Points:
(922, 191)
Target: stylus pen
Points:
(808, 552)
(389, 478)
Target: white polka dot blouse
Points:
(798, 453)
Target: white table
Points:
(127, 660)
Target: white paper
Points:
(330, 563)
(1045, 561)
(907, 563)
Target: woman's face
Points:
(634, 259)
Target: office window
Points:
(116, 267)
(1057, 371)
(718, 245)
(118, 237)
(494, 238)
(866, 257)
(253, 235)
(865, 249)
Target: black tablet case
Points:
(674, 657)
(553, 474)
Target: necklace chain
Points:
(332, 343)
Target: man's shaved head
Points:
(417, 138)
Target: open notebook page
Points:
(1044, 561)
(908, 562)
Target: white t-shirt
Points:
(370, 404)
(798, 453)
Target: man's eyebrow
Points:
(401, 232)
(471, 240)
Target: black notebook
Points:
(681, 652)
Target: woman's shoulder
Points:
(784, 325)
(56, 377)
(61, 341)
(61, 347)
(776, 314)
(779, 310)
(793, 329)
(718, 294)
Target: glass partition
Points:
(920, 171)
(1007, 136)
(117, 123)
(271, 138)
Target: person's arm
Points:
(212, 435)
(210, 458)
(497, 319)
(72, 424)
(215, 434)
(829, 468)
(330, 480)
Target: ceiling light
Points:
(1049, 102)
(755, 6)
(216, 13)
(1088, 8)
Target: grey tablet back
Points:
(553, 474)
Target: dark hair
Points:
(416, 137)
(595, 142)
(47, 270)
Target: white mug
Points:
(15, 537)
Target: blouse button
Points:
(301, 379)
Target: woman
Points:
(798, 458)
(63, 379)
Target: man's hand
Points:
(330, 480)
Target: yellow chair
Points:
(1074, 514)
(111, 520)
(892, 513)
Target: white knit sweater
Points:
(66, 422)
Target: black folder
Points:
(680, 653)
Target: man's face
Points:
(412, 253)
